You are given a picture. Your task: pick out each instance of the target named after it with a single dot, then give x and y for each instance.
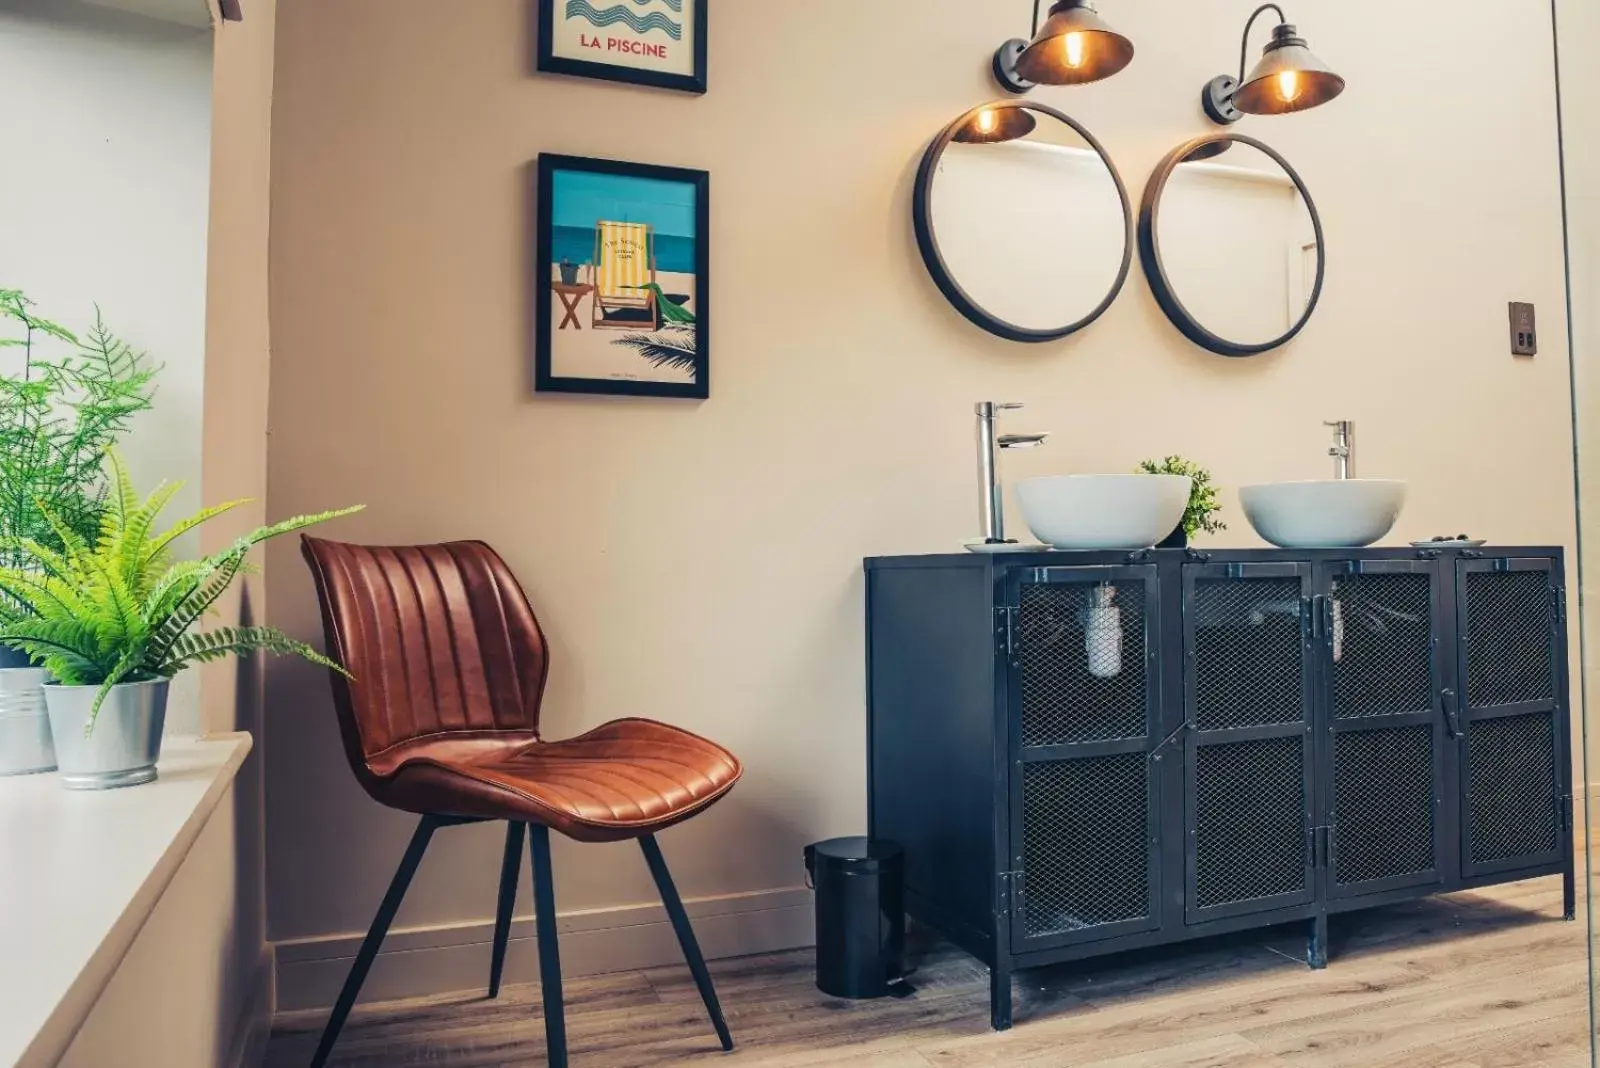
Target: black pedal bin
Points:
(861, 919)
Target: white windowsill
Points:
(79, 874)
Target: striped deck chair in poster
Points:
(624, 262)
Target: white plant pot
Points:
(25, 745)
(125, 744)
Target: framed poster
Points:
(622, 279)
(647, 42)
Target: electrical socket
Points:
(1524, 330)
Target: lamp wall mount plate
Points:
(1005, 67)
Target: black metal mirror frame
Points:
(1155, 271)
(928, 242)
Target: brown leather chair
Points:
(441, 718)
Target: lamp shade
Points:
(1074, 46)
(1288, 78)
(996, 123)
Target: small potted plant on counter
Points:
(64, 401)
(113, 620)
(1201, 514)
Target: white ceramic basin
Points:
(1103, 511)
(1324, 515)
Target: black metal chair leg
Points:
(510, 865)
(686, 939)
(374, 939)
(544, 907)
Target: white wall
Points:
(181, 996)
(105, 186)
(702, 562)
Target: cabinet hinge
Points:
(1560, 596)
(1322, 847)
(1011, 891)
(1005, 629)
(1564, 815)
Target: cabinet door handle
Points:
(1447, 701)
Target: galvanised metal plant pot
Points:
(126, 741)
(25, 745)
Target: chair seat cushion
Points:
(628, 778)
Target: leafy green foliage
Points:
(1204, 501)
(116, 609)
(674, 346)
(57, 418)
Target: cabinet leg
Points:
(1569, 894)
(1000, 996)
(1317, 942)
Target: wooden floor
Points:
(1489, 979)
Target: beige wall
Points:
(701, 562)
(1579, 23)
(238, 358)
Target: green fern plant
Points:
(1204, 501)
(118, 609)
(58, 415)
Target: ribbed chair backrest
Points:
(441, 643)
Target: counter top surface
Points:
(1046, 557)
(80, 872)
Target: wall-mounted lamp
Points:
(1074, 46)
(996, 123)
(1288, 78)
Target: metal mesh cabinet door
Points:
(1084, 687)
(1513, 723)
(1247, 694)
(1385, 739)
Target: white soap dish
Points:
(978, 545)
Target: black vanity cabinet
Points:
(1089, 752)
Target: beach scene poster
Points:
(657, 42)
(622, 287)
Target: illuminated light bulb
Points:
(987, 121)
(1074, 49)
(1289, 85)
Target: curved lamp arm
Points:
(1244, 45)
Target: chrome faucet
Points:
(1343, 450)
(992, 503)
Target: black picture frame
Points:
(545, 379)
(1161, 286)
(939, 270)
(550, 63)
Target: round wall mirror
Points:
(1232, 244)
(1023, 221)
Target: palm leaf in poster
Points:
(674, 346)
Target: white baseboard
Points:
(423, 961)
(248, 1048)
